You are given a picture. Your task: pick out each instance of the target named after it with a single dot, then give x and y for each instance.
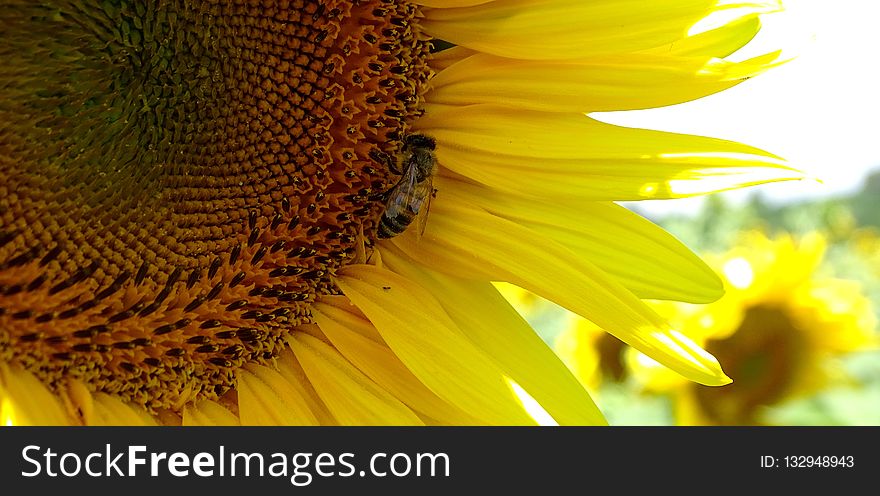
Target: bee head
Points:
(419, 141)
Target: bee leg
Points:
(381, 195)
(384, 158)
(361, 247)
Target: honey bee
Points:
(411, 196)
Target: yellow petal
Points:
(351, 396)
(445, 58)
(291, 370)
(107, 410)
(466, 241)
(379, 363)
(101, 409)
(563, 29)
(622, 82)
(347, 314)
(449, 3)
(423, 336)
(24, 400)
(496, 328)
(208, 413)
(647, 260)
(718, 42)
(266, 397)
(556, 155)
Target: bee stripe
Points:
(392, 226)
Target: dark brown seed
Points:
(235, 305)
(215, 266)
(37, 282)
(293, 223)
(235, 349)
(147, 310)
(22, 259)
(194, 277)
(258, 255)
(236, 279)
(24, 314)
(253, 237)
(69, 313)
(174, 277)
(196, 303)
(130, 367)
(46, 317)
(215, 291)
(121, 316)
(164, 329)
(276, 221)
(77, 277)
(51, 255)
(221, 362)
(141, 273)
(234, 254)
(278, 246)
(252, 220)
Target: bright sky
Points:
(821, 111)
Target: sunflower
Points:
(779, 331)
(192, 194)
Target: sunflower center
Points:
(761, 356)
(181, 179)
(611, 359)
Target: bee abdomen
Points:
(390, 226)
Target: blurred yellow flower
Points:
(592, 355)
(776, 332)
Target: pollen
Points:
(181, 179)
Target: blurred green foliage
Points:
(716, 227)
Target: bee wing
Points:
(428, 193)
(403, 200)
